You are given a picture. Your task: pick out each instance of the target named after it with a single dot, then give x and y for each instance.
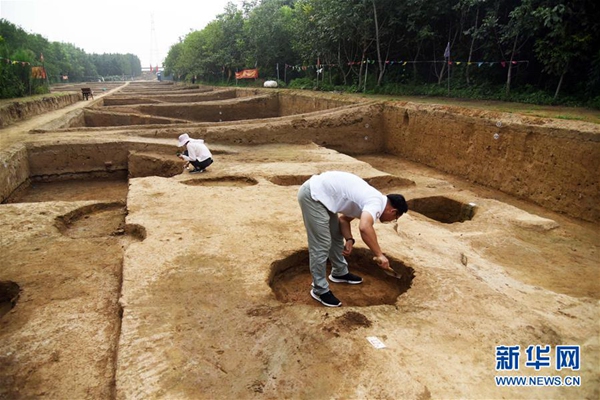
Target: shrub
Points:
(302, 83)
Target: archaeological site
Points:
(124, 276)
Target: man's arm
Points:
(346, 230)
(368, 235)
(345, 227)
(193, 151)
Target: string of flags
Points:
(37, 72)
(15, 62)
(319, 67)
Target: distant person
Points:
(196, 153)
(321, 199)
(193, 79)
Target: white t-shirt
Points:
(197, 150)
(346, 193)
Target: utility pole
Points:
(447, 58)
(366, 75)
(154, 56)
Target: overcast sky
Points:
(111, 26)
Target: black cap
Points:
(398, 202)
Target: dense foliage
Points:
(21, 53)
(530, 50)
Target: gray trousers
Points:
(325, 240)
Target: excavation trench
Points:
(205, 106)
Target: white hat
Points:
(183, 139)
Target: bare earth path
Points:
(18, 132)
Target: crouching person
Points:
(195, 153)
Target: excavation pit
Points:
(80, 172)
(443, 209)
(9, 294)
(82, 189)
(386, 182)
(96, 220)
(289, 180)
(290, 280)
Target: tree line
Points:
(541, 51)
(21, 53)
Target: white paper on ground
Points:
(374, 340)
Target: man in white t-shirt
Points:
(321, 199)
(196, 153)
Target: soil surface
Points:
(197, 286)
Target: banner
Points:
(38, 73)
(247, 74)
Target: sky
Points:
(146, 28)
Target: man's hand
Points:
(348, 248)
(383, 262)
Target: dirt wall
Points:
(21, 110)
(300, 102)
(171, 98)
(53, 160)
(352, 130)
(224, 110)
(297, 103)
(143, 164)
(549, 164)
(15, 171)
(62, 159)
(97, 119)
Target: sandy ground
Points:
(197, 287)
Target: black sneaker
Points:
(196, 170)
(348, 278)
(327, 299)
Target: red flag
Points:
(247, 74)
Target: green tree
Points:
(565, 32)
(513, 36)
(555, 37)
(269, 32)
